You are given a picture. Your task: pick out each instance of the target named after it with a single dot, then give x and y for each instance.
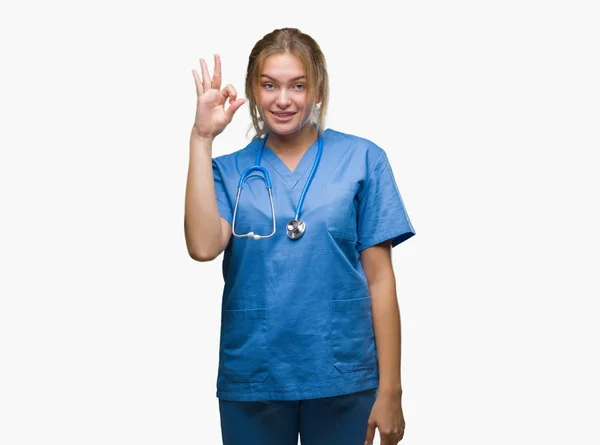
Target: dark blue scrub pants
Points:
(339, 420)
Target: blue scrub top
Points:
(296, 318)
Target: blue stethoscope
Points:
(295, 228)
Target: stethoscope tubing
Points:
(267, 179)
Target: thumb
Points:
(233, 108)
(370, 433)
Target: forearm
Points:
(386, 323)
(202, 222)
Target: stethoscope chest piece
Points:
(295, 229)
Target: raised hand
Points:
(211, 115)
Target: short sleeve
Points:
(381, 212)
(225, 208)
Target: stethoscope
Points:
(294, 228)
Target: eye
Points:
(300, 86)
(268, 86)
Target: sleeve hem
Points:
(397, 237)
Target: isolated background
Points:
(489, 114)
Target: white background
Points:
(489, 112)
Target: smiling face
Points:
(283, 96)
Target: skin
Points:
(386, 415)
(282, 89)
(211, 116)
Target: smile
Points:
(282, 117)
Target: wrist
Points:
(201, 137)
(200, 144)
(391, 389)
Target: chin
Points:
(287, 127)
(283, 132)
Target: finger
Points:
(229, 92)
(370, 432)
(400, 436)
(387, 439)
(205, 75)
(216, 80)
(199, 87)
(233, 108)
(392, 438)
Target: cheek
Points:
(263, 96)
(261, 99)
(308, 107)
(263, 105)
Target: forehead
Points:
(283, 66)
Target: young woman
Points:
(306, 219)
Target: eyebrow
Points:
(291, 80)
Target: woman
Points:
(310, 327)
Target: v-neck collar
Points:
(306, 162)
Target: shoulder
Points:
(356, 146)
(232, 161)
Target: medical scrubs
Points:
(338, 420)
(296, 317)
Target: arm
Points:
(377, 264)
(206, 233)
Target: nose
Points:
(283, 101)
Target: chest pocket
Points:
(342, 210)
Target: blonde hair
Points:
(303, 46)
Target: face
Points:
(282, 98)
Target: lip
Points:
(283, 117)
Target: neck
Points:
(293, 143)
